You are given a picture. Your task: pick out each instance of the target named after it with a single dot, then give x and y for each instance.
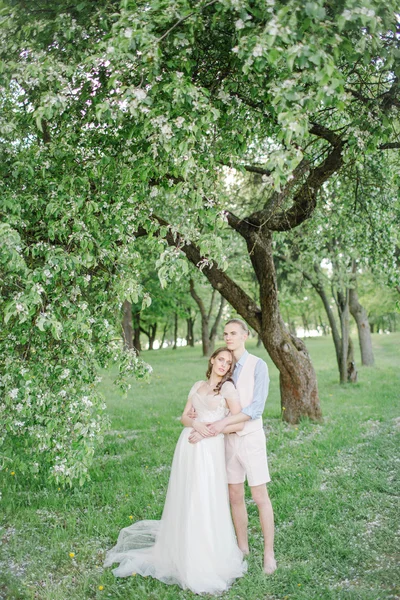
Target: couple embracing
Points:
(223, 442)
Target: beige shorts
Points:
(246, 456)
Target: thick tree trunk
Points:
(351, 365)
(174, 347)
(136, 332)
(364, 332)
(127, 329)
(298, 382)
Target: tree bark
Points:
(151, 333)
(297, 378)
(360, 316)
(347, 367)
(205, 334)
(164, 334)
(319, 288)
(190, 332)
(208, 335)
(136, 332)
(214, 328)
(127, 329)
(351, 365)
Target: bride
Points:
(194, 544)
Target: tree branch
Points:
(219, 280)
(389, 146)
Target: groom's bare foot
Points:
(245, 551)
(269, 564)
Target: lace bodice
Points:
(211, 407)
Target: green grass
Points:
(333, 491)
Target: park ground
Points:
(333, 490)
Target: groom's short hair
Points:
(239, 322)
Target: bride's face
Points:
(221, 363)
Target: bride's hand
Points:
(202, 428)
(195, 437)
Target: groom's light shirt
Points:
(261, 385)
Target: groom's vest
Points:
(245, 387)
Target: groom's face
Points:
(234, 336)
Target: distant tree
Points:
(209, 321)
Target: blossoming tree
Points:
(117, 119)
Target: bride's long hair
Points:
(228, 374)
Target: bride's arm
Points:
(199, 426)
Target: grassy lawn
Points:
(333, 490)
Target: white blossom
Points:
(14, 393)
(88, 403)
(153, 192)
(239, 24)
(139, 93)
(257, 50)
(65, 374)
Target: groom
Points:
(245, 451)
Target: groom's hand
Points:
(217, 427)
(192, 414)
(195, 437)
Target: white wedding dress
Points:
(194, 544)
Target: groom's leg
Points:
(239, 515)
(261, 498)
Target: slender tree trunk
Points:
(164, 334)
(190, 329)
(127, 329)
(174, 347)
(319, 288)
(214, 329)
(259, 341)
(323, 326)
(347, 368)
(152, 335)
(298, 382)
(364, 332)
(136, 332)
(372, 325)
(306, 325)
(205, 332)
(205, 337)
